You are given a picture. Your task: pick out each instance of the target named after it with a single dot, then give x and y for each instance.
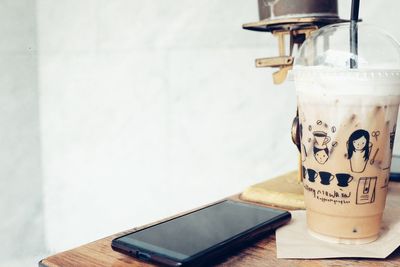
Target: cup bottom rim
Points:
(339, 240)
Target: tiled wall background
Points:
(143, 109)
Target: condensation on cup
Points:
(347, 128)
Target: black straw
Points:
(355, 7)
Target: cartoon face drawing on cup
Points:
(320, 149)
(321, 155)
(358, 150)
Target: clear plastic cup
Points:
(348, 123)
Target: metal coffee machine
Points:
(291, 21)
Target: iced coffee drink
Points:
(347, 119)
(346, 140)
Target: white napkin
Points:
(294, 241)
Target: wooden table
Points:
(261, 253)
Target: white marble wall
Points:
(21, 221)
(147, 108)
(153, 107)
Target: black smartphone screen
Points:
(185, 236)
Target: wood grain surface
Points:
(261, 253)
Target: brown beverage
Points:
(348, 123)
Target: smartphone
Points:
(201, 236)
(395, 169)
